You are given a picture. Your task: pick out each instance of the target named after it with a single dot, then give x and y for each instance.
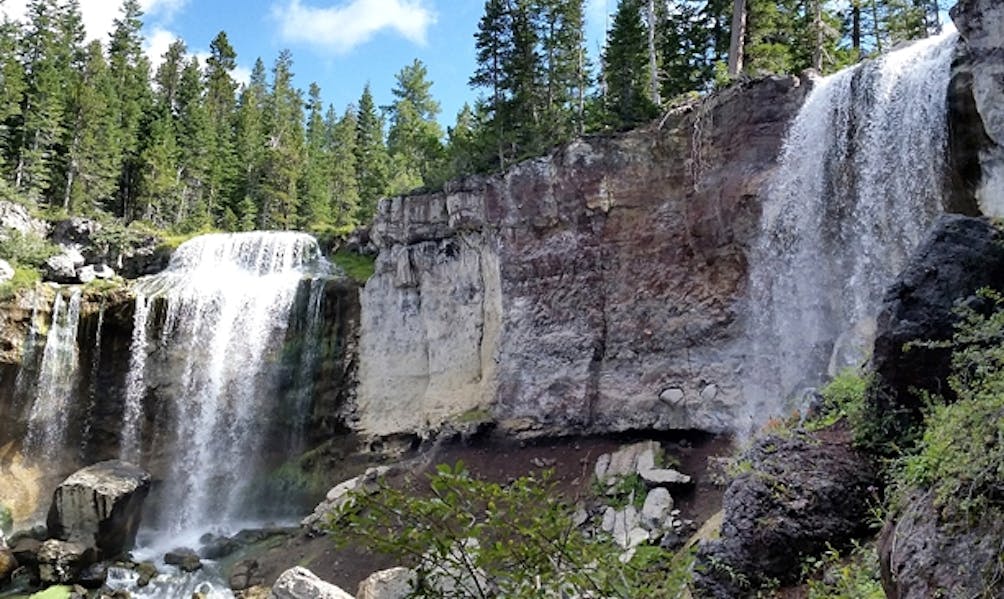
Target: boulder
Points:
(183, 557)
(146, 571)
(216, 547)
(8, 563)
(6, 271)
(658, 504)
(245, 575)
(93, 576)
(340, 495)
(393, 583)
(61, 562)
(924, 555)
(626, 460)
(959, 256)
(301, 583)
(799, 495)
(61, 268)
(100, 506)
(90, 272)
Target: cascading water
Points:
(47, 421)
(227, 302)
(861, 178)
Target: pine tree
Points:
(130, 71)
(343, 188)
(565, 68)
(158, 191)
(283, 159)
(220, 105)
(493, 46)
(91, 160)
(372, 162)
(625, 68)
(12, 88)
(413, 140)
(315, 205)
(194, 144)
(43, 104)
(249, 148)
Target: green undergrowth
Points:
(960, 455)
(25, 277)
(468, 537)
(854, 575)
(843, 398)
(6, 519)
(358, 267)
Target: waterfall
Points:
(135, 385)
(57, 378)
(861, 178)
(92, 391)
(228, 301)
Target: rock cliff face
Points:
(595, 289)
(979, 87)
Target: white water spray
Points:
(861, 179)
(48, 419)
(228, 306)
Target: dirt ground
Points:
(500, 460)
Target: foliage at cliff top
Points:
(467, 537)
(90, 128)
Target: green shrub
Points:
(855, 576)
(467, 537)
(843, 398)
(26, 249)
(358, 267)
(24, 277)
(960, 454)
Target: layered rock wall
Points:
(595, 289)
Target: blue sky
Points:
(340, 44)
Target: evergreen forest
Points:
(92, 128)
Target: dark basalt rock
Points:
(800, 495)
(183, 557)
(960, 256)
(100, 506)
(924, 556)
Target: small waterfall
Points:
(92, 391)
(129, 440)
(57, 378)
(861, 178)
(228, 302)
(308, 362)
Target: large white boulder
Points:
(301, 583)
(100, 506)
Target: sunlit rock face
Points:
(595, 289)
(978, 94)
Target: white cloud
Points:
(241, 75)
(156, 44)
(349, 24)
(99, 15)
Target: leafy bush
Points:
(358, 267)
(26, 249)
(24, 277)
(961, 451)
(473, 538)
(855, 576)
(843, 398)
